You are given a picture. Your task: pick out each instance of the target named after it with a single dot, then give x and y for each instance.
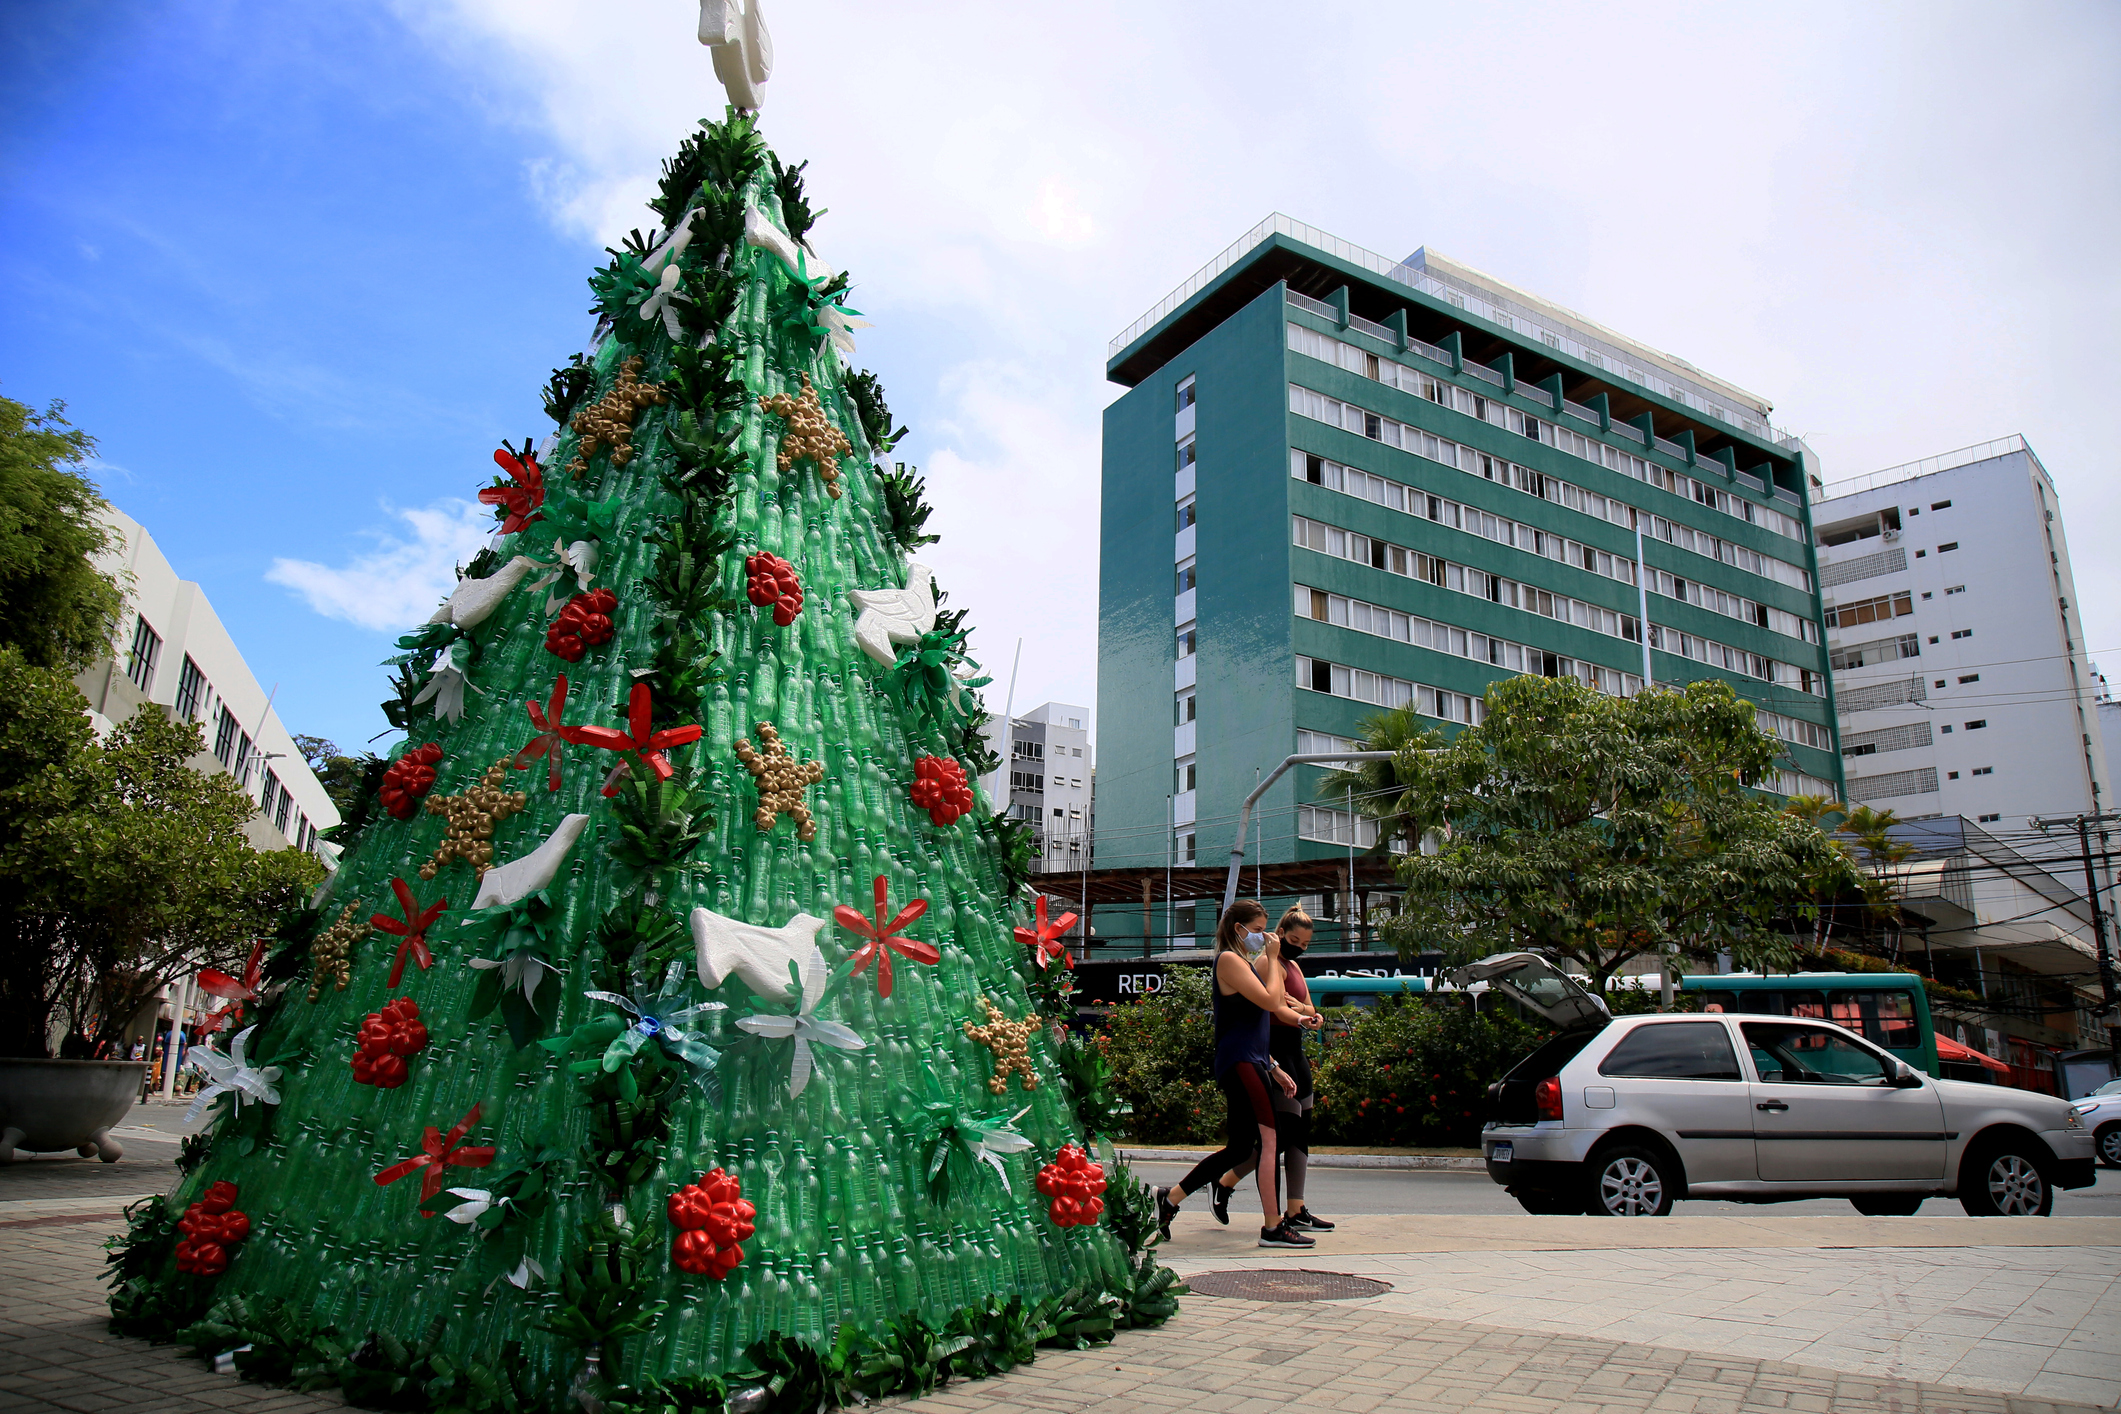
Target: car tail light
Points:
(1547, 1096)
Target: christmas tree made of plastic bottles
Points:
(572, 1075)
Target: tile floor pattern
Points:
(1235, 1357)
(2040, 1322)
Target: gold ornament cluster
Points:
(781, 781)
(472, 817)
(331, 952)
(810, 435)
(608, 422)
(1011, 1043)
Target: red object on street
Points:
(409, 777)
(1075, 1185)
(584, 623)
(940, 788)
(387, 1037)
(770, 582)
(712, 1218)
(210, 1226)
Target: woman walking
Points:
(1285, 1043)
(1248, 989)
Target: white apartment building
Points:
(1049, 762)
(171, 650)
(1960, 673)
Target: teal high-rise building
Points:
(1340, 483)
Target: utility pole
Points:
(2083, 825)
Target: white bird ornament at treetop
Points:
(520, 878)
(887, 616)
(743, 50)
(474, 600)
(760, 956)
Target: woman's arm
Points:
(1239, 979)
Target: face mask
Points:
(1253, 943)
(1291, 950)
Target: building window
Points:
(1187, 576)
(1951, 775)
(1963, 633)
(1940, 506)
(270, 795)
(1940, 683)
(1077, 750)
(1970, 677)
(1185, 848)
(1870, 611)
(280, 812)
(1882, 650)
(1185, 774)
(225, 738)
(1984, 770)
(1185, 454)
(1946, 549)
(147, 651)
(1977, 726)
(1185, 641)
(1186, 516)
(1185, 394)
(1954, 589)
(1058, 814)
(191, 690)
(241, 770)
(1186, 707)
(1988, 819)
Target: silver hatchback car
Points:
(1624, 1117)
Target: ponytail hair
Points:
(1234, 918)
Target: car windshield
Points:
(2111, 1087)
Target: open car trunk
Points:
(1534, 982)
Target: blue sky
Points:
(299, 268)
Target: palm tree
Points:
(1378, 790)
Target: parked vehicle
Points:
(1888, 1009)
(2100, 1112)
(1625, 1117)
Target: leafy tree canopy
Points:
(56, 607)
(1603, 829)
(120, 867)
(341, 775)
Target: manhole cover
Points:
(1298, 1285)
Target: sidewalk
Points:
(1331, 1158)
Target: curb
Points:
(1324, 1161)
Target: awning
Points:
(1950, 1050)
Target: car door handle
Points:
(1776, 1105)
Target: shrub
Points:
(1162, 1053)
(1415, 1073)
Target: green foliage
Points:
(527, 942)
(343, 777)
(795, 204)
(1130, 1208)
(1015, 851)
(1410, 1072)
(1161, 1051)
(1153, 1296)
(193, 1152)
(57, 609)
(399, 708)
(365, 805)
(685, 1394)
(1603, 829)
(731, 152)
(906, 508)
(604, 1289)
(568, 387)
(147, 1297)
(1098, 1110)
(997, 1336)
(867, 392)
(798, 1377)
(907, 1358)
(637, 938)
(658, 824)
(1379, 789)
(685, 584)
(925, 676)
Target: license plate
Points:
(1503, 1153)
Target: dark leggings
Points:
(1293, 1138)
(1244, 1085)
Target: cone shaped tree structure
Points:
(583, 952)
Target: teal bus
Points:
(1888, 1009)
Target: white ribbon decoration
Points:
(518, 972)
(658, 301)
(805, 1029)
(230, 1075)
(478, 1200)
(998, 1140)
(446, 686)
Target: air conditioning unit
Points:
(1890, 536)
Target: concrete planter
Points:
(49, 1105)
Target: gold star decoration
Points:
(472, 817)
(608, 422)
(330, 952)
(781, 781)
(810, 435)
(1011, 1043)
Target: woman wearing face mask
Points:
(1249, 988)
(1285, 1043)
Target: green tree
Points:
(341, 775)
(56, 607)
(120, 867)
(1603, 830)
(1162, 1051)
(1380, 790)
(1411, 1073)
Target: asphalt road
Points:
(1333, 1192)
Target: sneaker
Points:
(1219, 1200)
(1305, 1218)
(1282, 1235)
(1165, 1211)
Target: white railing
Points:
(1908, 471)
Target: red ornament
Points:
(216, 983)
(438, 1152)
(413, 929)
(1075, 1185)
(583, 624)
(552, 734)
(521, 499)
(883, 939)
(770, 581)
(409, 777)
(1045, 938)
(387, 1037)
(712, 1217)
(637, 738)
(940, 788)
(210, 1226)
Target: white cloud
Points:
(399, 582)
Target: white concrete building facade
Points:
(1049, 762)
(172, 651)
(1960, 675)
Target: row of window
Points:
(1794, 729)
(1373, 619)
(1337, 680)
(1408, 380)
(1880, 609)
(1320, 408)
(1695, 648)
(1878, 650)
(1732, 606)
(1328, 826)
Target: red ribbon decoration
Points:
(650, 746)
(1046, 937)
(522, 499)
(413, 930)
(552, 733)
(216, 983)
(882, 940)
(441, 1151)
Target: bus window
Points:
(1882, 1018)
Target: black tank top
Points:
(1240, 1029)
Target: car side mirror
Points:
(1905, 1077)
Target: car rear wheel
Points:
(1547, 1204)
(2006, 1181)
(2108, 1142)
(1632, 1182)
(1888, 1205)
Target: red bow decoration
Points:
(1046, 937)
(522, 499)
(552, 734)
(219, 984)
(940, 788)
(409, 777)
(211, 1226)
(442, 1151)
(584, 624)
(883, 939)
(649, 745)
(1075, 1185)
(413, 930)
(712, 1217)
(771, 583)
(386, 1038)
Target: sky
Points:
(301, 268)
